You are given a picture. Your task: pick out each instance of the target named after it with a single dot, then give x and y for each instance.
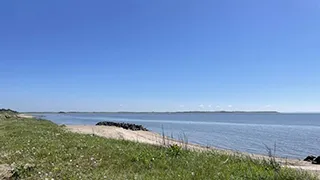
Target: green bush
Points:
(174, 150)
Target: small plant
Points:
(272, 158)
(144, 158)
(23, 169)
(174, 150)
(163, 136)
(185, 141)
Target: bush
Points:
(8, 111)
(174, 150)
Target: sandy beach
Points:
(156, 139)
(25, 116)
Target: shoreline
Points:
(149, 137)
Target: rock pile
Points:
(133, 127)
(313, 159)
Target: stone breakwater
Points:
(313, 159)
(129, 126)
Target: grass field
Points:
(40, 149)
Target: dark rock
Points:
(133, 127)
(316, 160)
(309, 158)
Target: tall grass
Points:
(272, 157)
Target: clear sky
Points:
(160, 55)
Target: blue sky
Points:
(160, 55)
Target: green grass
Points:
(58, 154)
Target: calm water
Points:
(295, 135)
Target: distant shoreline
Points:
(160, 112)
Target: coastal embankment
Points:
(160, 140)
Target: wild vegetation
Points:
(40, 149)
(8, 113)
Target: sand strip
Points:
(25, 116)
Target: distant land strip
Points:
(160, 112)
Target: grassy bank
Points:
(39, 149)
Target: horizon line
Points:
(222, 111)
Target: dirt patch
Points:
(6, 172)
